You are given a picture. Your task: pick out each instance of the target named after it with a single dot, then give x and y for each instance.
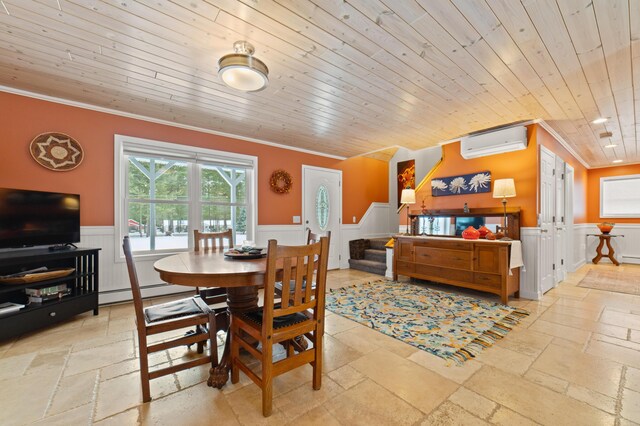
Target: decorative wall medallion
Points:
(280, 181)
(56, 151)
(473, 183)
(322, 207)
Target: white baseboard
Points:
(124, 295)
(524, 294)
(579, 265)
(630, 259)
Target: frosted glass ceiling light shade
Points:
(241, 70)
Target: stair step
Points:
(378, 243)
(376, 255)
(368, 266)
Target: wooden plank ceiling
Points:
(346, 77)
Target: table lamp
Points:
(504, 188)
(408, 197)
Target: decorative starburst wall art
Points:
(473, 183)
(56, 151)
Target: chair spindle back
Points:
(212, 240)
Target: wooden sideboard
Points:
(476, 264)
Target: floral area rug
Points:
(448, 325)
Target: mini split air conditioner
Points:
(494, 142)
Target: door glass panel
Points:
(322, 207)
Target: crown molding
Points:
(96, 108)
(614, 165)
(562, 142)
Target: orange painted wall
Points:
(364, 185)
(593, 191)
(364, 180)
(520, 165)
(579, 174)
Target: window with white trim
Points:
(620, 196)
(162, 189)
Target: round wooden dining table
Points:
(241, 278)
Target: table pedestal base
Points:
(605, 238)
(239, 299)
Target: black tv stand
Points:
(65, 246)
(83, 283)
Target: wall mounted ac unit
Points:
(494, 142)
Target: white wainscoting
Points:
(579, 254)
(285, 234)
(114, 281)
(529, 275)
(374, 223)
(583, 248)
(627, 248)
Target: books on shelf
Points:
(44, 294)
(47, 297)
(45, 291)
(10, 307)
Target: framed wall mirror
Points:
(451, 222)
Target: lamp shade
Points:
(408, 196)
(504, 188)
(242, 71)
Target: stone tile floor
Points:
(575, 360)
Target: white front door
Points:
(322, 206)
(547, 211)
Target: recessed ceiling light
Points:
(617, 161)
(599, 120)
(611, 145)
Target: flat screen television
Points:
(35, 218)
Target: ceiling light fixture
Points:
(617, 161)
(611, 145)
(241, 70)
(600, 120)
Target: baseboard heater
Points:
(630, 258)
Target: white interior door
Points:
(322, 206)
(559, 219)
(570, 256)
(547, 210)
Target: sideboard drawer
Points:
(444, 273)
(445, 244)
(404, 267)
(457, 259)
(489, 280)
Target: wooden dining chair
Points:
(300, 312)
(156, 319)
(214, 241)
(311, 239)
